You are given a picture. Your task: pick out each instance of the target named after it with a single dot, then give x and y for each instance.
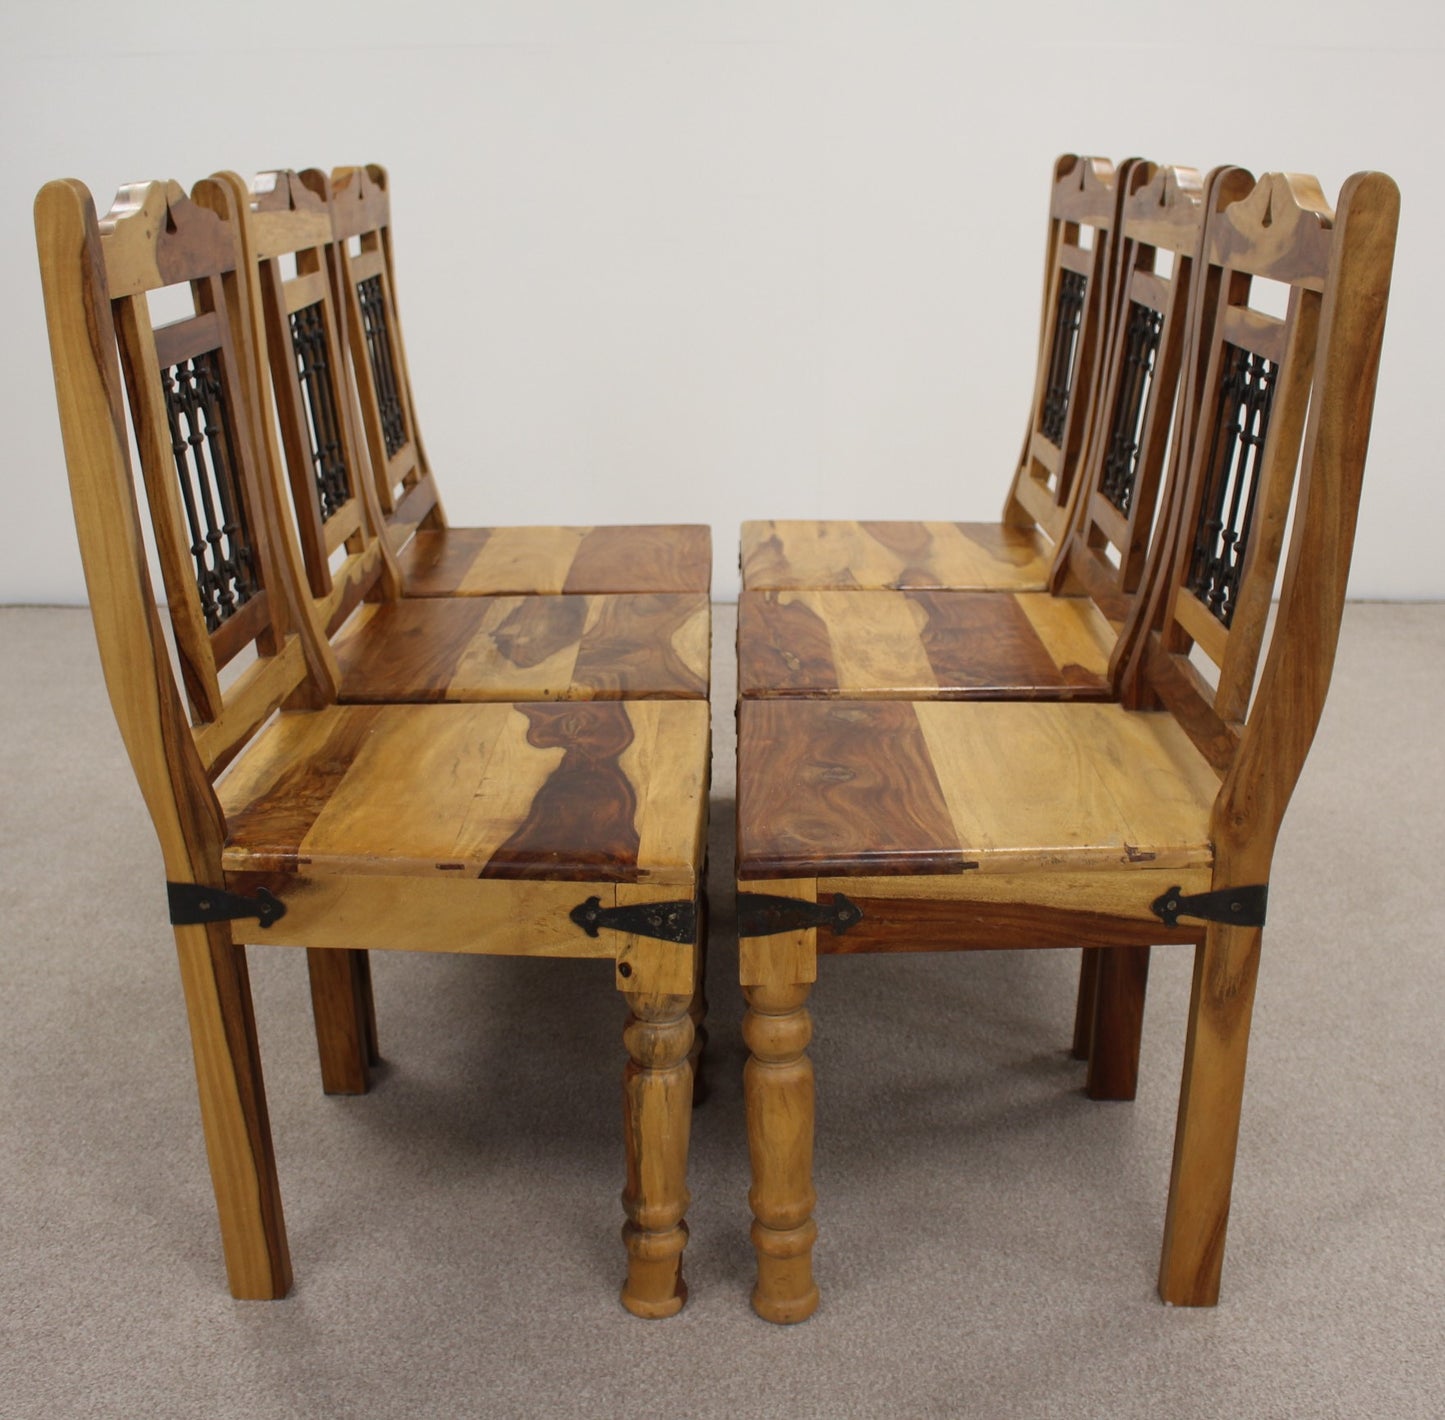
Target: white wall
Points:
(708, 261)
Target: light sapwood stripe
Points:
(666, 557)
(1074, 630)
(668, 762)
(1046, 786)
(521, 560)
(529, 644)
(875, 640)
(433, 564)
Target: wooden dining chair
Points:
(389, 648)
(1068, 643)
(1018, 553)
(569, 830)
(892, 825)
(436, 558)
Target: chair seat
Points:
(665, 557)
(527, 648)
(951, 788)
(922, 645)
(786, 556)
(599, 791)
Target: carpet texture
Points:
(988, 1236)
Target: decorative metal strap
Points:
(194, 903)
(761, 914)
(667, 921)
(1236, 907)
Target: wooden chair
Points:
(999, 644)
(435, 558)
(909, 826)
(386, 648)
(1018, 553)
(536, 829)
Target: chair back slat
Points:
(361, 219)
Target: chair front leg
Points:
(657, 1116)
(1226, 967)
(233, 1111)
(778, 1090)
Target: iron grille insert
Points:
(1121, 462)
(1227, 510)
(206, 466)
(308, 341)
(383, 364)
(1067, 319)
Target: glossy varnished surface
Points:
(922, 645)
(782, 555)
(526, 648)
(594, 791)
(894, 788)
(667, 557)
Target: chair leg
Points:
(697, 1010)
(1226, 968)
(1084, 1006)
(656, 1120)
(233, 1111)
(1121, 976)
(778, 1089)
(345, 1018)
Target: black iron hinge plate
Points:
(761, 914)
(194, 903)
(667, 921)
(1236, 907)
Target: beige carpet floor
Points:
(988, 1235)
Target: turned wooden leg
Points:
(1121, 976)
(345, 1016)
(778, 1089)
(233, 1111)
(1084, 1006)
(1226, 967)
(697, 1010)
(656, 1118)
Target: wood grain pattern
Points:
(498, 791)
(429, 649)
(780, 555)
(522, 560)
(936, 645)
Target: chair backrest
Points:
(361, 220)
(1279, 429)
(301, 384)
(227, 576)
(1154, 332)
(1083, 207)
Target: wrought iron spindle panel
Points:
(1226, 511)
(313, 368)
(221, 545)
(377, 328)
(1121, 461)
(1068, 317)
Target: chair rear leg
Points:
(1121, 976)
(345, 1016)
(1084, 1006)
(233, 1111)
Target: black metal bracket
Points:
(194, 903)
(761, 914)
(667, 921)
(1236, 907)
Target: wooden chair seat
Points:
(593, 792)
(470, 561)
(526, 648)
(788, 555)
(900, 789)
(922, 645)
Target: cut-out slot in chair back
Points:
(209, 500)
(1252, 460)
(361, 218)
(286, 220)
(1076, 281)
